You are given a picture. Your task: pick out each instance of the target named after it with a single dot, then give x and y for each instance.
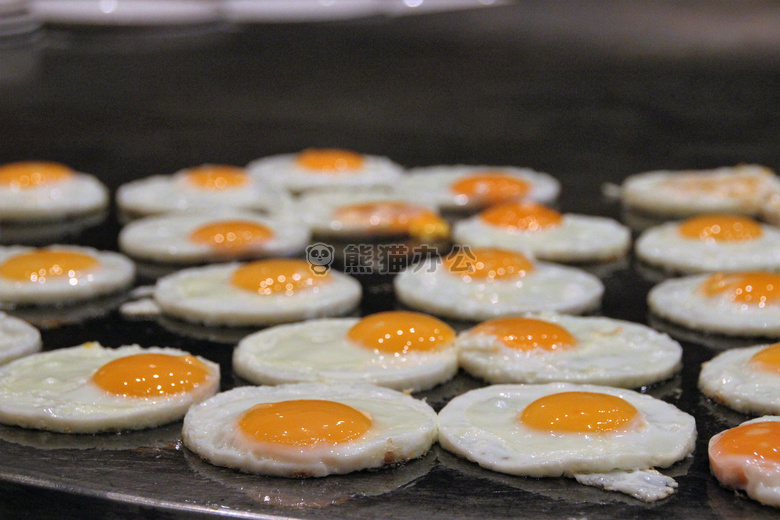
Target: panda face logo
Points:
(320, 257)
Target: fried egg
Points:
(771, 210)
(202, 188)
(554, 347)
(563, 429)
(402, 350)
(470, 188)
(545, 233)
(17, 338)
(309, 429)
(214, 236)
(748, 458)
(90, 388)
(740, 189)
(60, 274)
(318, 168)
(263, 292)
(743, 303)
(483, 283)
(40, 191)
(744, 379)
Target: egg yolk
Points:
(490, 187)
(24, 175)
(282, 276)
(233, 235)
(522, 216)
(41, 264)
(758, 442)
(580, 412)
(151, 375)
(752, 288)
(329, 160)
(394, 217)
(527, 334)
(720, 228)
(401, 332)
(304, 422)
(487, 264)
(738, 187)
(213, 177)
(767, 359)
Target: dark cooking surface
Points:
(516, 85)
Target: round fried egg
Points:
(406, 351)
(740, 189)
(555, 347)
(483, 283)
(771, 210)
(60, 274)
(17, 338)
(90, 388)
(735, 304)
(545, 233)
(748, 458)
(462, 187)
(707, 243)
(263, 292)
(203, 188)
(318, 168)
(39, 191)
(214, 236)
(309, 429)
(744, 379)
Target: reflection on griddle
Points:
(46, 233)
(160, 437)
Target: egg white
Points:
(771, 210)
(17, 338)
(403, 428)
(53, 391)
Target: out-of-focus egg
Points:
(406, 351)
(17, 338)
(309, 429)
(263, 292)
(40, 191)
(771, 210)
(735, 304)
(214, 236)
(484, 283)
(60, 274)
(89, 388)
(545, 233)
(555, 347)
(748, 458)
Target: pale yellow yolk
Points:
(522, 216)
(303, 423)
(394, 217)
(738, 187)
(277, 276)
(720, 228)
(217, 177)
(233, 235)
(488, 264)
(151, 375)
(24, 175)
(527, 334)
(580, 412)
(756, 442)
(767, 359)
(401, 332)
(752, 288)
(329, 160)
(490, 187)
(41, 264)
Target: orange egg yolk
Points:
(329, 160)
(394, 217)
(767, 359)
(401, 332)
(283, 276)
(752, 288)
(490, 187)
(521, 216)
(527, 334)
(151, 375)
(720, 186)
(487, 264)
(233, 235)
(41, 264)
(24, 175)
(217, 177)
(759, 441)
(720, 228)
(304, 422)
(580, 412)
